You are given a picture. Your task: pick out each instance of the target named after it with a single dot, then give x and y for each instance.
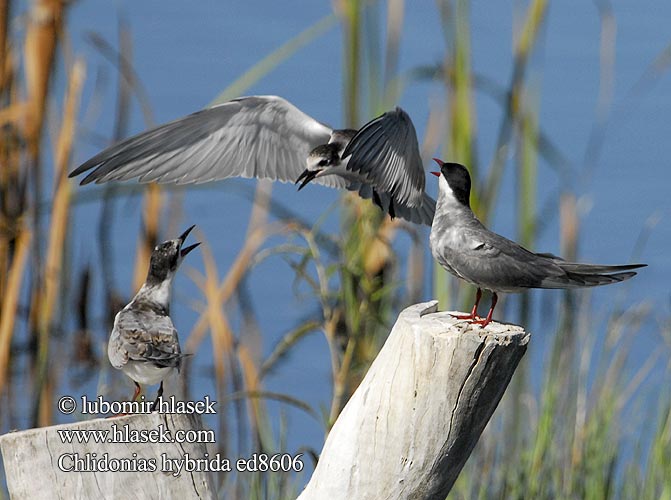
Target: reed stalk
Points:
(149, 235)
(526, 43)
(223, 342)
(10, 300)
(53, 272)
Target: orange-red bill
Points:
(437, 174)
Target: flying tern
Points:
(267, 137)
(144, 343)
(467, 249)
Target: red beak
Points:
(440, 164)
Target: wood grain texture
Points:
(409, 428)
(31, 460)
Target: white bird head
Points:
(320, 158)
(324, 156)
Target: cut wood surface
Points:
(414, 420)
(34, 460)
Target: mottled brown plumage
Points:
(144, 342)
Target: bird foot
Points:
(118, 415)
(483, 322)
(469, 317)
(473, 319)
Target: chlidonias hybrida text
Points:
(144, 342)
(267, 137)
(466, 248)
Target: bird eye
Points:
(323, 162)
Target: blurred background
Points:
(559, 109)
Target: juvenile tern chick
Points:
(466, 248)
(267, 137)
(144, 343)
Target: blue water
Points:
(186, 53)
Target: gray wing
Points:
(385, 150)
(145, 337)
(582, 275)
(497, 263)
(265, 137)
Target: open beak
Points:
(306, 176)
(186, 233)
(184, 251)
(440, 164)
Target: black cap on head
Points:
(458, 179)
(164, 260)
(167, 256)
(328, 154)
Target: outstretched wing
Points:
(265, 137)
(386, 152)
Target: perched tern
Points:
(466, 248)
(144, 343)
(267, 137)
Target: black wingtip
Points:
(401, 112)
(627, 267)
(92, 177)
(87, 165)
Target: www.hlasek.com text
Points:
(100, 406)
(257, 462)
(126, 434)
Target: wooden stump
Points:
(414, 420)
(40, 465)
(405, 433)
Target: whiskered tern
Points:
(467, 249)
(267, 137)
(144, 343)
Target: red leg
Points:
(474, 311)
(137, 391)
(135, 395)
(488, 319)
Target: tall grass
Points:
(567, 436)
(568, 439)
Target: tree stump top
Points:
(408, 429)
(426, 318)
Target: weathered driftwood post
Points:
(41, 463)
(405, 433)
(414, 420)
